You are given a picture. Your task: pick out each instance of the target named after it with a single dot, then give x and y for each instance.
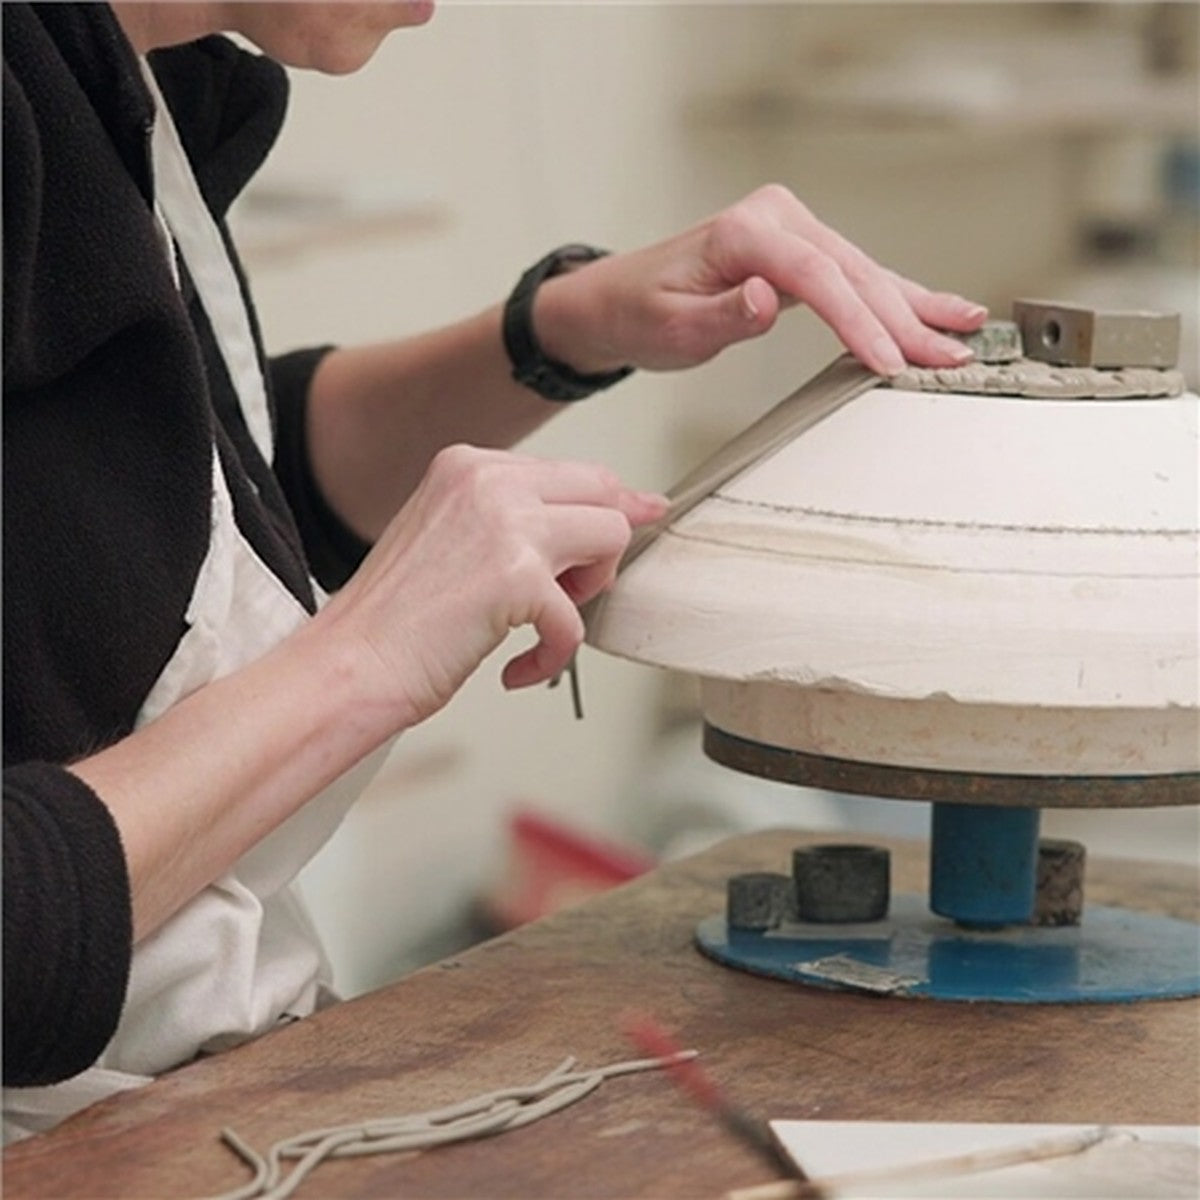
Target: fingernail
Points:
(890, 360)
(976, 311)
(748, 306)
(960, 354)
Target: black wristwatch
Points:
(530, 363)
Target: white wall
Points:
(510, 128)
(528, 127)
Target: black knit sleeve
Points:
(21, 180)
(68, 925)
(333, 549)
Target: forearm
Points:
(194, 790)
(488, 542)
(378, 414)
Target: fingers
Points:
(564, 551)
(804, 270)
(795, 266)
(584, 511)
(580, 483)
(641, 508)
(918, 343)
(944, 310)
(882, 318)
(576, 535)
(586, 546)
(560, 630)
(714, 322)
(582, 583)
(565, 482)
(489, 542)
(911, 314)
(587, 543)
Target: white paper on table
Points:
(870, 1159)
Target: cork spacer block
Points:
(757, 900)
(1060, 867)
(841, 883)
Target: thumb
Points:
(741, 312)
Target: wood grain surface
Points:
(508, 1010)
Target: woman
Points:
(185, 720)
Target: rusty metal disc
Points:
(916, 783)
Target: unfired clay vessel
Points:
(947, 582)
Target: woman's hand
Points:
(489, 541)
(679, 302)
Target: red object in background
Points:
(550, 865)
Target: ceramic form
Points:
(944, 582)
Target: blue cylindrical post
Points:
(983, 870)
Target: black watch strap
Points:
(531, 365)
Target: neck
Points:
(150, 26)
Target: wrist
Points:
(372, 694)
(569, 321)
(549, 326)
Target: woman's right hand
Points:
(488, 542)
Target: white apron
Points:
(242, 956)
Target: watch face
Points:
(574, 255)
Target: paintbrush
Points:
(653, 1040)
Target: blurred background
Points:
(996, 149)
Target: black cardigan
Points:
(113, 394)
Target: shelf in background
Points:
(276, 222)
(957, 99)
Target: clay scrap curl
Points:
(1028, 378)
(481, 1116)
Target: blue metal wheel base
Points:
(1114, 955)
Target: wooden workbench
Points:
(508, 1010)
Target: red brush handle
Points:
(653, 1040)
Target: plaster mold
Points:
(944, 581)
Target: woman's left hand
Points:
(681, 301)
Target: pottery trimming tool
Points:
(838, 384)
(979, 599)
